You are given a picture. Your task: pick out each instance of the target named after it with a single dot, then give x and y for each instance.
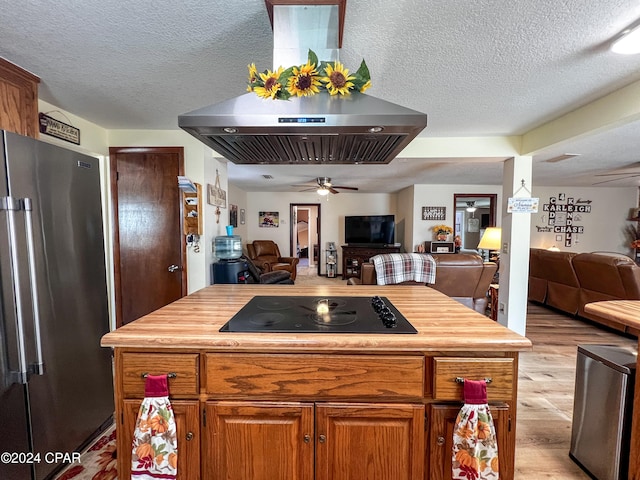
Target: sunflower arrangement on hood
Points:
(307, 80)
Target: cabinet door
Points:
(18, 100)
(440, 440)
(258, 441)
(188, 432)
(369, 441)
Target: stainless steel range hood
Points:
(353, 129)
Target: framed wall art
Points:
(216, 195)
(434, 213)
(233, 215)
(269, 219)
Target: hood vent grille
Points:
(306, 149)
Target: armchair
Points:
(266, 255)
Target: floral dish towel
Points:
(475, 449)
(155, 446)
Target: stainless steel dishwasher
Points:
(602, 408)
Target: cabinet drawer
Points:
(447, 369)
(184, 365)
(317, 376)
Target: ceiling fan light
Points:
(628, 43)
(322, 191)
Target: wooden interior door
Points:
(258, 441)
(376, 442)
(149, 247)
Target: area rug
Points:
(97, 462)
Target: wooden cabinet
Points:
(184, 386)
(188, 432)
(354, 257)
(372, 441)
(258, 441)
(265, 441)
(442, 420)
(315, 416)
(18, 100)
(193, 213)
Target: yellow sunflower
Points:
(304, 81)
(337, 79)
(365, 86)
(253, 72)
(271, 85)
(253, 76)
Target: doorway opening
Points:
(474, 212)
(305, 234)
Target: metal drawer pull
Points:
(189, 436)
(461, 380)
(169, 375)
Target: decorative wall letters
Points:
(562, 216)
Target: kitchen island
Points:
(327, 406)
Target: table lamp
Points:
(491, 239)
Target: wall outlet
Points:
(502, 308)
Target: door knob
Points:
(173, 268)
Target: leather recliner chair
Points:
(266, 256)
(464, 277)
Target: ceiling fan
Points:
(621, 174)
(323, 186)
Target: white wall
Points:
(333, 209)
(238, 197)
(603, 226)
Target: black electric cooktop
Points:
(319, 314)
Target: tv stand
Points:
(353, 256)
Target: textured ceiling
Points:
(476, 67)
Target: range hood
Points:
(320, 129)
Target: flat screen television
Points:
(369, 230)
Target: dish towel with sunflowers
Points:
(155, 445)
(475, 450)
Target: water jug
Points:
(227, 247)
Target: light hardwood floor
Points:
(545, 388)
(545, 392)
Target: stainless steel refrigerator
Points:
(57, 386)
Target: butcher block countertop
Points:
(193, 322)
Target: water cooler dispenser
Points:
(229, 268)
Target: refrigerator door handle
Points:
(37, 367)
(10, 205)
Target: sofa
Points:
(464, 277)
(567, 281)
